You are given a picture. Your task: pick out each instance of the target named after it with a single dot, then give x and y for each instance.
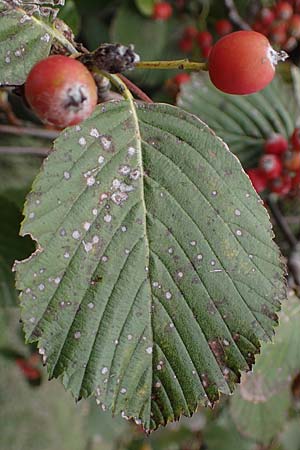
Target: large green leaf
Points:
(246, 121)
(25, 38)
(155, 274)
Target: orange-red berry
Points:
(278, 33)
(61, 91)
(294, 26)
(291, 161)
(242, 62)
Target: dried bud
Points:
(112, 58)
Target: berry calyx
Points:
(295, 139)
(271, 166)
(223, 27)
(61, 91)
(281, 185)
(204, 39)
(162, 11)
(276, 145)
(243, 62)
(258, 179)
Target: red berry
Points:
(162, 11)
(206, 52)
(242, 63)
(258, 179)
(271, 166)
(190, 32)
(30, 372)
(61, 91)
(292, 161)
(223, 27)
(283, 10)
(186, 45)
(259, 27)
(204, 39)
(181, 78)
(290, 44)
(295, 139)
(294, 26)
(267, 16)
(278, 33)
(276, 144)
(281, 185)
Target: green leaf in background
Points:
(221, 434)
(24, 40)
(37, 418)
(260, 421)
(17, 172)
(290, 437)
(156, 274)
(8, 293)
(259, 408)
(246, 121)
(69, 14)
(155, 42)
(12, 247)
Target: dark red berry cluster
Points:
(281, 24)
(279, 168)
(192, 38)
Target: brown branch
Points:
(282, 223)
(41, 151)
(135, 89)
(29, 131)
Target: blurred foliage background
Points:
(264, 413)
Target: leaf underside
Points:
(246, 121)
(155, 275)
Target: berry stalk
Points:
(179, 64)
